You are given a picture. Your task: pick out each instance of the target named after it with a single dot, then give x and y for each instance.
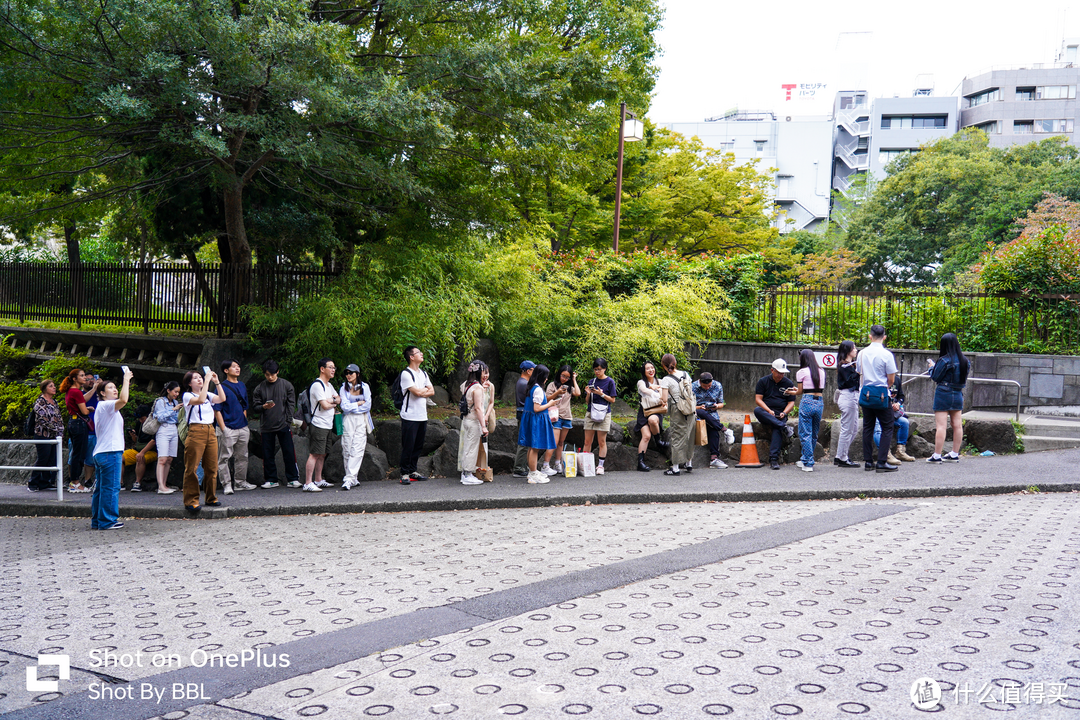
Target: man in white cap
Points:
(775, 396)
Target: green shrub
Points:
(15, 402)
(58, 367)
(13, 361)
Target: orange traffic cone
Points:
(749, 458)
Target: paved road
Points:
(758, 610)
(1050, 471)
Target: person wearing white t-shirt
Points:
(324, 402)
(417, 388)
(201, 444)
(108, 457)
(877, 369)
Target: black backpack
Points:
(304, 406)
(31, 421)
(397, 395)
(463, 403)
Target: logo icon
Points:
(35, 685)
(925, 693)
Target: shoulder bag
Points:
(151, 424)
(685, 403)
(874, 397)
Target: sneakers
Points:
(935, 458)
(33, 489)
(798, 463)
(789, 430)
(268, 484)
(349, 484)
(559, 467)
(807, 468)
(599, 469)
(322, 484)
(718, 464)
(115, 526)
(520, 474)
(312, 487)
(228, 490)
(417, 477)
(137, 487)
(77, 489)
(951, 457)
(470, 479)
(243, 486)
(548, 470)
(538, 478)
(295, 484)
(688, 468)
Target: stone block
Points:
(388, 436)
(453, 422)
(1008, 360)
(501, 463)
(1046, 386)
(375, 465)
(919, 447)
(620, 408)
(509, 389)
(444, 461)
(984, 365)
(505, 437)
(621, 458)
(434, 436)
(1067, 366)
(1037, 362)
(996, 435)
(1018, 374)
(984, 395)
(441, 396)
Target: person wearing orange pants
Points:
(201, 444)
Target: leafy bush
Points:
(58, 367)
(13, 362)
(15, 402)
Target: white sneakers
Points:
(467, 478)
(323, 484)
(538, 478)
(548, 470)
(718, 464)
(599, 469)
(245, 485)
(348, 484)
(228, 489)
(312, 487)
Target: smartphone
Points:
(97, 377)
(123, 369)
(206, 371)
(271, 403)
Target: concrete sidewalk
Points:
(1050, 471)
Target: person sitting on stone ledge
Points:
(775, 396)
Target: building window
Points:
(908, 122)
(1025, 93)
(727, 145)
(864, 143)
(984, 97)
(1023, 127)
(990, 128)
(887, 156)
(759, 145)
(1053, 126)
(1055, 92)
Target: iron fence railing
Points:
(914, 319)
(163, 296)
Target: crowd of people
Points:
(209, 417)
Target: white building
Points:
(799, 149)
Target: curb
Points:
(52, 509)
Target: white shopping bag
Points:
(586, 464)
(570, 461)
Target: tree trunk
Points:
(78, 289)
(200, 280)
(239, 249)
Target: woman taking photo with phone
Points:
(201, 444)
(166, 411)
(561, 416)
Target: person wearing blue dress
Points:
(535, 431)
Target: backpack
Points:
(463, 404)
(304, 406)
(397, 395)
(182, 423)
(31, 421)
(685, 403)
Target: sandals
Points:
(78, 489)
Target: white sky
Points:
(718, 54)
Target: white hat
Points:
(780, 365)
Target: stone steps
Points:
(1038, 443)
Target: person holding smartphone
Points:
(274, 401)
(708, 398)
(562, 417)
(201, 445)
(774, 397)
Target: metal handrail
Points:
(1019, 387)
(59, 440)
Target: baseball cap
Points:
(780, 365)
(352, 367)
(528, 365)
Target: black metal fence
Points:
(914, 319)
(163, 296)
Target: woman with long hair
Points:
(356, 424)
(535, 432)
(682, 439)
(561, 416)
(600, 393)
(950, 372)
(810, 383)
(79, 425)
(653, 395)
(847, 398)
(473, 424)
(201, 443)
(166, 411)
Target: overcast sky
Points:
(718, 54)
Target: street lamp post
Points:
(627, 132)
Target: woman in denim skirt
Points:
(950, 372)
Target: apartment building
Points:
(1025, 104)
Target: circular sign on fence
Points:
(826, 359)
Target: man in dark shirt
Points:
(775, 396)
(275, 399)
(521, 470)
